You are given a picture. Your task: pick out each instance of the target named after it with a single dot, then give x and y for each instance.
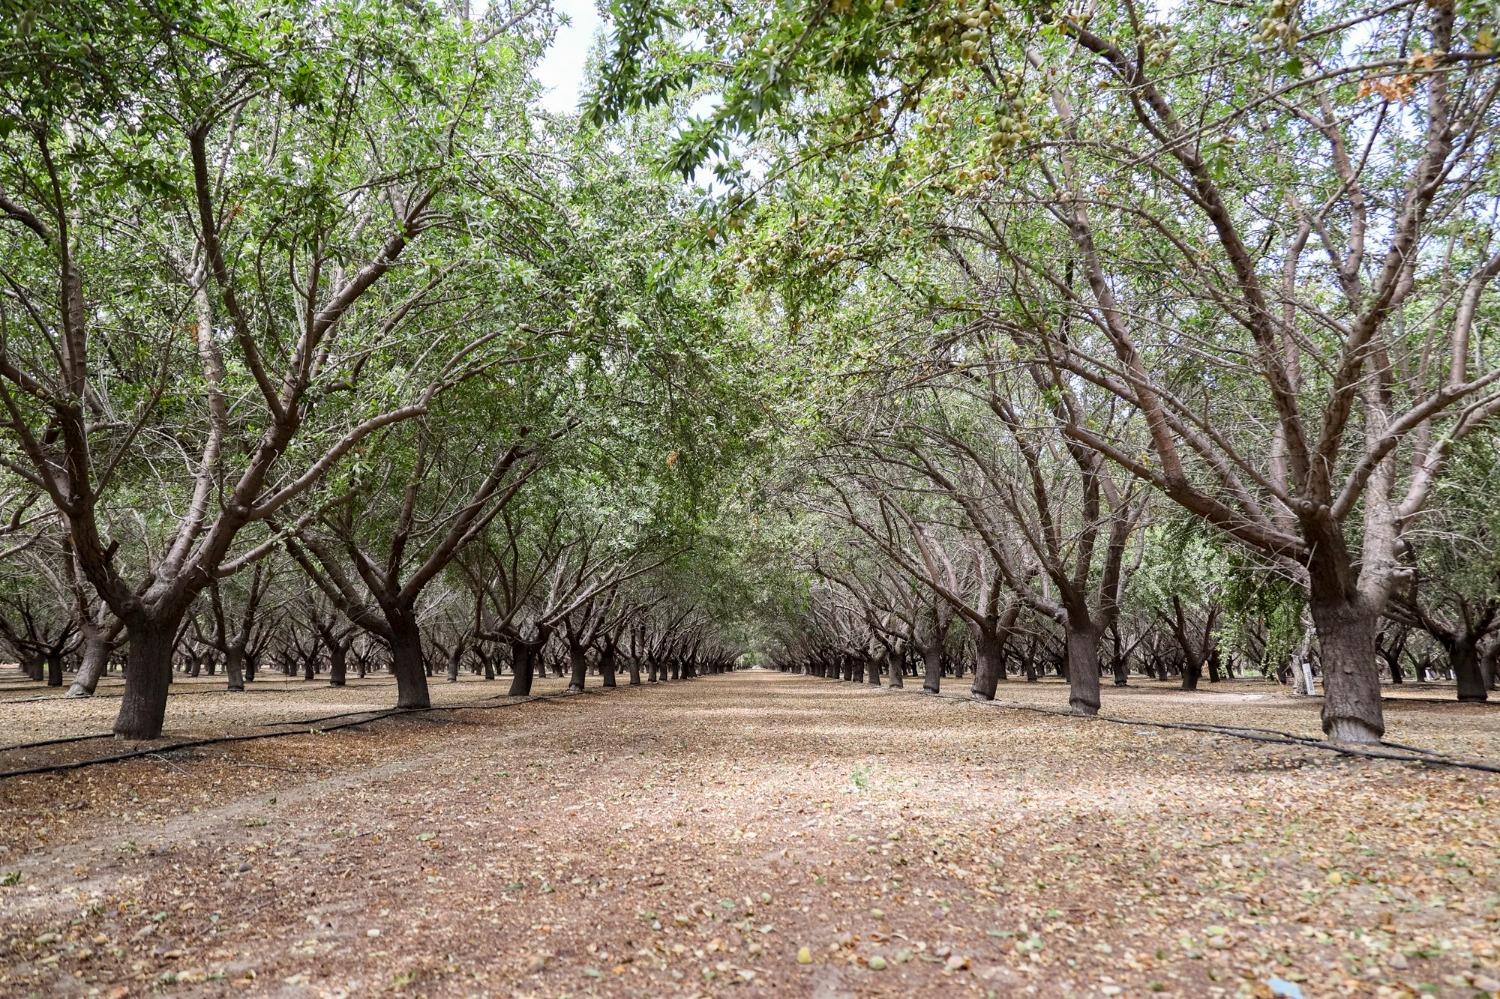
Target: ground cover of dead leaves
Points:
(762, 835)
(201, 706)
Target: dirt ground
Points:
(753, 835)
(203, 707)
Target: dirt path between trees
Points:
(751, 835)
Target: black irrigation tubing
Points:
(56, 742)
(1437, 700)
(109, 735)
(262, 687)
(1274, 738)
(377, 715)
(299, 728)
(187, 744)
(272, 724)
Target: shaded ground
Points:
(693, 838)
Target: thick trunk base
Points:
(1464, 658)
(1083, 671)
(989, 666)
(1351, 678)
(408, 666)
(148, 678)
(521, 672)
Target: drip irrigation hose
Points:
(376, 714)
(1264, 735)
(282, 686)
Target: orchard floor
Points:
(693, 838)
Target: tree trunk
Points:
(1192, 671)
(1351, 678)
(148, 677)
(338, 664)
(872, 670)
(896, 661)
(407, 662)
(95, 656)
(234, 667)
(1083, 669)
(55, 668)
(932, 668)
(607, 666)
(1463, 656)
(633, 665)
(521, 668)
(580, 664)
(989, 665)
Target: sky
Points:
(561, 71)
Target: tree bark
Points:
(989, 664)
(580, 668)
(407, 662)
(148, 677)
(895, 661)
(522, 654)
(1351, 679)
(1463, 656)
(234, 667)
(55, 668)
(607, 665)
(96, 649)
(338, 664)
(1083, 669)
(1192, 672)
(932, 668)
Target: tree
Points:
(264, 177)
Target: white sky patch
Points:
(561, 70)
